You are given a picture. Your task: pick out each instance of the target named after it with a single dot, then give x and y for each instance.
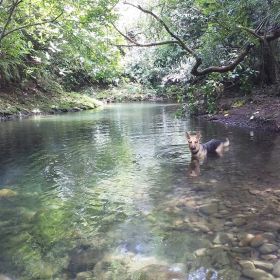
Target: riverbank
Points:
(258, 111)
(15, 103)
(255, 112)
(127, 92)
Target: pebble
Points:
(239, 221)
(263, 265)
(228, 204)
(246, 264)
(222, 238)
(235, 229)
(269, 225)
(269, 236)
(268, 248)
(209, 209)
(269, 257)
(276, 269)
(202, 227)
(246, 239)
(257, 274)
(257, 241)
(200, 252)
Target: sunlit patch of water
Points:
(203, 273)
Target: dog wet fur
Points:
(199, 151)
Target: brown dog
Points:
(200, 151)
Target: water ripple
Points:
(173, 154)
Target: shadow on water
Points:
(114, 194)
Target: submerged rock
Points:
(200, 252)
(202, 227)
(7, 193)
(218, 257)
(209, 209)
(239, 221)
(223, 238)
(257, 274)
(83, 259)
(257, 241)
(269, 226)
(263, 265)
(269, 257)
(276, 269)
(268, 248)
(247, 264)
(246, 239)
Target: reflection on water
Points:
(114, 194)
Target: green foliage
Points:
(204, 98)
(65, 40)
(216, 31)
(210, 95)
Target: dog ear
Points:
(198, 134)
(188, 135)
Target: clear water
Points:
(108, 195)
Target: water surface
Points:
(108, 195)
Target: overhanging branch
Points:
(251, 31)
(137, 44)
(267, 35)
(198, 61)
(173, 35)
(221, 69)
(10, 16)
(30, 25)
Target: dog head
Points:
(193, 141)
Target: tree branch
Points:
(178, 39)
(198, 61)
(251, 31)
(266, 36)
(11, 12)
(137, 44)
(146, 45)
(221, 69)
(30, 25)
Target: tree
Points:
(232, 21)
(10, 20)
(57, 41)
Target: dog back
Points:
(212, 145)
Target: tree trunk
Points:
(269, 71)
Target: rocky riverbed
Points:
(244, 231)
(243, 238)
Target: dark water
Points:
(108, 195)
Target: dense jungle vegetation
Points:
(195, 49)
(65, 41)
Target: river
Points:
(113, 194)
